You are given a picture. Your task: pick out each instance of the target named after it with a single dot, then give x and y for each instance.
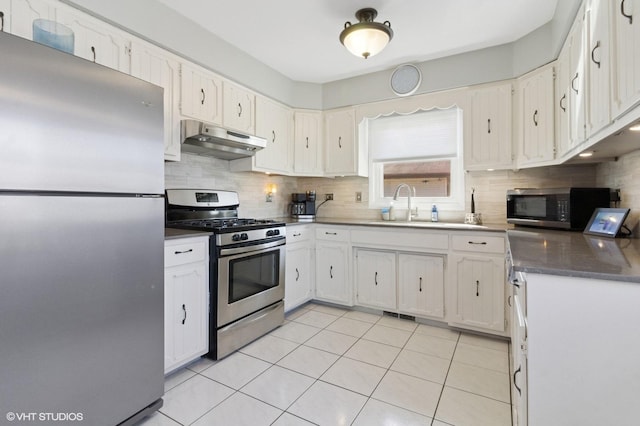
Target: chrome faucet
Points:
(409, 191)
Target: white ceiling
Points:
(299, 38)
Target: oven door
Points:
(250, 278)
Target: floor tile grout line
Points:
(445, 379)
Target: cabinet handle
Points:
(376, 278)
(273, 139)
(563, 98)
(297, 274)
(509, 301)
(488, 125)
(307, 139)
(331, 271)
(203, 97)
(184, 309)
(477, 288)
(239, 109)
(572, 81)
(93, 50)
(339, 141)
(535, 117)
(594, 51)
(420, 288)
(481, 243)
(516, 283)
(183, 252)
(296, 235)
(331, 233)
(519, 370)
(630, 17)
(1, 21)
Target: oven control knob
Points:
(235, 237)
(244, 236)
(276, 232)
(270, 233)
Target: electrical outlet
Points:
(328, 197)
(358, 197)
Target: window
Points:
(423, 150)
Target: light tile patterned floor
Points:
(331, 366)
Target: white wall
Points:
(624, 174)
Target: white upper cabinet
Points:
(488, 131)
(239, 111)
(343, 154)
(562, 98)
(5, 15)
(19, 16)
(535, 131)
(156, 66)
(274, 122)
(577, 98)
(200, 94)
(94, 41)
(599, 65)
(625, 21)
(307, 148)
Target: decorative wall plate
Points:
(405, 80)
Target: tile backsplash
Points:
(196, 171)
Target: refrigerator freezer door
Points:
(71, 125)
(81, 305)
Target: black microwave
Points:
(563, 208)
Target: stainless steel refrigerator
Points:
(81, 239)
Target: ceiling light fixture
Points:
(366, 38)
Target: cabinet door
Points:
(23, 13)
(186, 316)
(577, 98)
(625, 21)
(536, 97)
(297, 289)
(562, 95)
(332, 273)
(376, 279)
(200, 94)
(340, 145)
(307, 144)
(274, 122)
(94, 41)
(598, 68)
(421, 285)
(5, 16)
(152, 65)
(239, 108)
(478, 296)
(519, 352)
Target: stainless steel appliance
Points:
(563, 208)
(247, 266)
(214, 141)
(81, 252)
(303, 205)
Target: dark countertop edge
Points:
(426, 225)
(175, 233)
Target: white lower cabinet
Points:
(477, 274)
(299, 276)
(375, 278)
(332, 265)
(186, 301)
(421, 285)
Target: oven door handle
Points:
(252, 248)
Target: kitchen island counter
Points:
(574, 254)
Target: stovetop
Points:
(225, 225)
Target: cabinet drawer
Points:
(477, 243)
(332, 234)
(298, 233)
(186, 251)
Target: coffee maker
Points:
(303, 205)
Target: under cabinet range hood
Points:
(214, 141)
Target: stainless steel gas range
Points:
(247, 266)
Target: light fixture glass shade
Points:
(366, 38)
(366, 42)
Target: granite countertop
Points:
(173, 233)
(493, 227)
(574, 254)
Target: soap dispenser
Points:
(434, 213)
